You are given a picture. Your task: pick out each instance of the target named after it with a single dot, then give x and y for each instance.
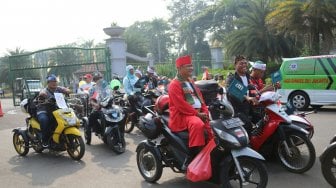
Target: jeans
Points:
(45, 128)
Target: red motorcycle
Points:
(288, 137)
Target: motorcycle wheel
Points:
(75, 147)
(254, 172)
(149, 165)
(20, 144)
(129, 126)
(302, 153)
(328, 167)
(86, 134)
(117, 145)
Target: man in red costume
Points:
(187, 108)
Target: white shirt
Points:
(197, 102)
(244, 79)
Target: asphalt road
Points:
(100, 167)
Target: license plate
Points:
(232, 123)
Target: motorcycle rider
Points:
(257, 73)
(150, 78)
(242, 109)
(129, 80)
(99, 91)
(187, 108)
(43, 113)
(85, 88)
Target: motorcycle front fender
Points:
(291, 127)
(109, 130)
(22, 131)
(330, 148)
(246, 151)
(72, 130)
(149, 146)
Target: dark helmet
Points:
(162, 103)
(150, 126)
(96, 76)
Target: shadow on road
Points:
(45, 168)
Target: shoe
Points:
(88, 142)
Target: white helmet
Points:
(23, 105)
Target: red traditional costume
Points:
(183, 116)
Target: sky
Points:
(38, 24)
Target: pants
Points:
(45, 128)
(94, 124)
(196, 128)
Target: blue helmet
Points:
(51, 78)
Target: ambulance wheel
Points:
(299, 100)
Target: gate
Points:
(68, 63)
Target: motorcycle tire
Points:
(328, 167)
(297, 161)
(149, 164)
(75, 146)
(87, 133)
(21, 145)
(118, 145)
(254, 172)
(129, 125)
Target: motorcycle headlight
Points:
(71, 121)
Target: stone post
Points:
(117, 47)
(217, 57)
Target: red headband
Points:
(184, 60)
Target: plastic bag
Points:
(200, 168)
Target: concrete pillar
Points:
(217, 58)
(117, 48)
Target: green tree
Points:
(311, 21)
(254, 39)
(187, 31)
(149, 37)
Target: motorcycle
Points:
(66, 135)
(111, 131)
(233, 163)
(277, 132)
(142, 98)
(299, 118)
(328, 162)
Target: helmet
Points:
(96, 76)
(24, 105)
(162, 103)
(51, 78)
(150, 126)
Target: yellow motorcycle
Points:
(66, 135)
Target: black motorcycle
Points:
(328, 162)
(233, 162)
(111, 130)
(139, 102)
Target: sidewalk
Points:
(7, 104)
(13, 117)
